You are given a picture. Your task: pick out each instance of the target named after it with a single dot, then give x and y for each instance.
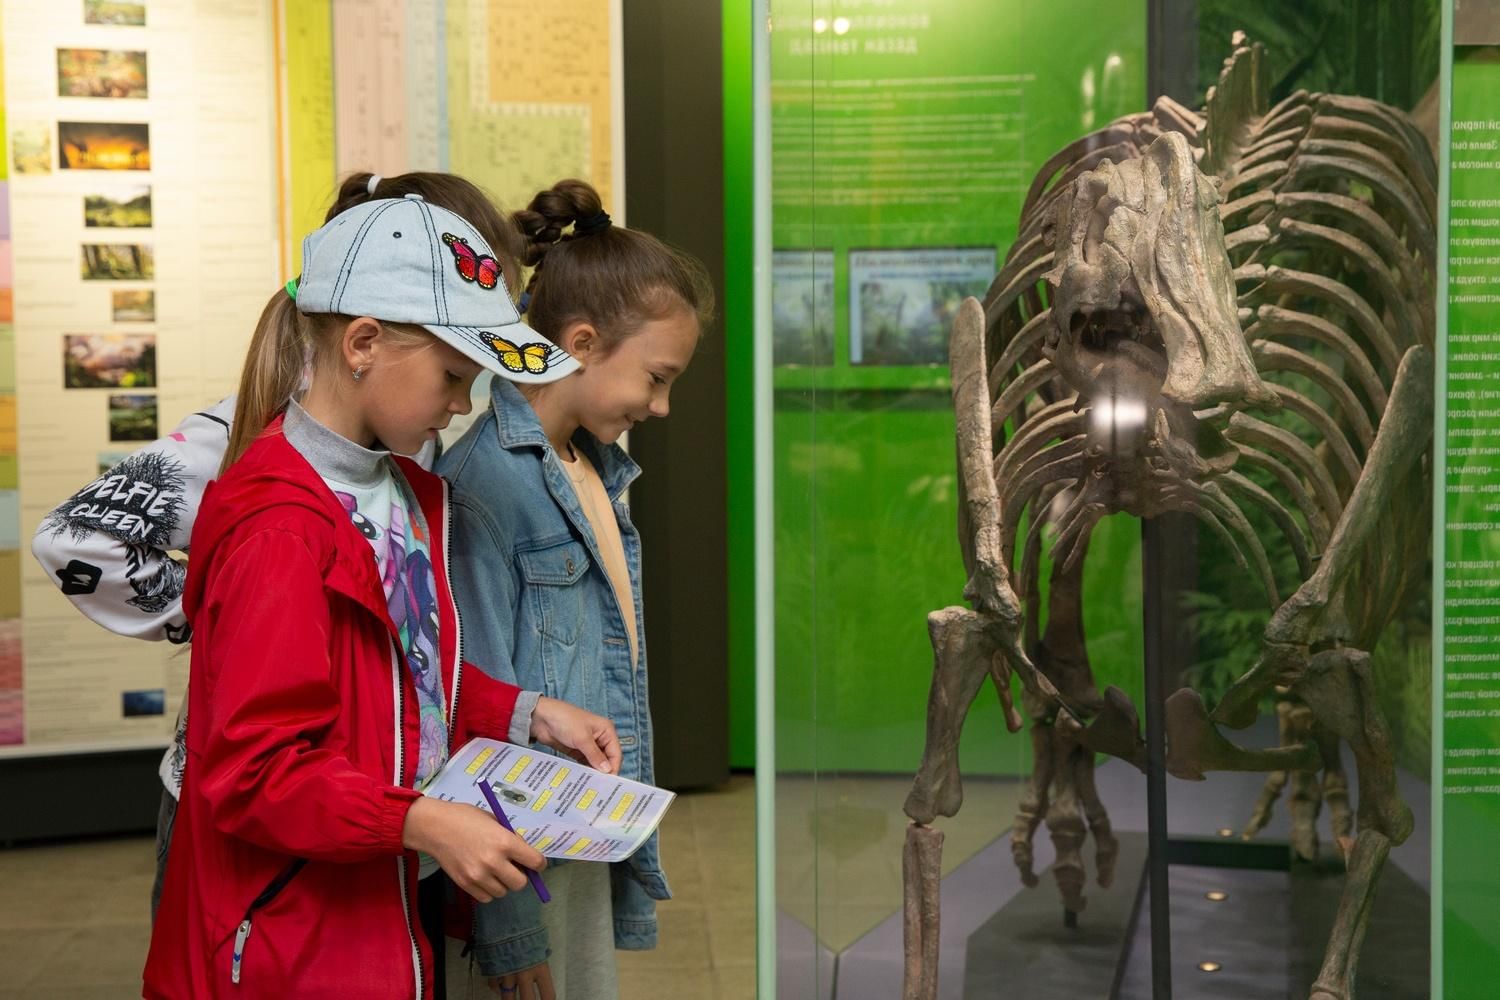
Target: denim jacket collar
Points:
(518, 427)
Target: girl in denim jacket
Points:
(549, 576)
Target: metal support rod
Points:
(1153, 612)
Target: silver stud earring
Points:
(358, 373)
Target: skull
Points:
(1145, 323)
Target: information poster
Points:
(908, 126)
(154, 201)
(905, 135)
(143, 216)
(1469, 801)
(12, 695)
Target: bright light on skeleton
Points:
(820, 25)
(840, 25)
(1112, 415)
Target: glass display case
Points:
(1166, 289)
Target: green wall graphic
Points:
(903, 143)
(1469, 804)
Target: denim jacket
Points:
(539, 611)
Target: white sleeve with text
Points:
(107, 547)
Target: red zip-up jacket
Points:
(287, 877)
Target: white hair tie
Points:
(370, 187)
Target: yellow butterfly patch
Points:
(532, 359)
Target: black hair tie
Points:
(593, 224)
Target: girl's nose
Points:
(659, 406)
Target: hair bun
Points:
(591, 225)
(567, 203)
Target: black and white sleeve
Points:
(108, 546)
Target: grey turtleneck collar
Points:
(332, 455)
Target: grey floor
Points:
(74, 923)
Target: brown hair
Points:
(615, 279)
(286, 341)
(463, 198)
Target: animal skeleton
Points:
(1201, 311)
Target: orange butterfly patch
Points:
(533, 359)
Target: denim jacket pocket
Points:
(554, 577)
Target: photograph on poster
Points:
(902, 302)
(153, 702)
(123, 208)
(802, 307)
(111, 73)
(31, 147)
(107, 460)
(116, 12)
(134, 306)
(132, 417)
(104, 145)
(109, 360)
(118, 262)
(11, 728)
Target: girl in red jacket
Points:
(328, 683)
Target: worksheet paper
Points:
(558, 806)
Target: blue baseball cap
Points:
(402, 260)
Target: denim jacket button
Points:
(568, 565)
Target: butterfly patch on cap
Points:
(479, 268)
(533, 359)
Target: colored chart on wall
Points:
(144, 224)
(509, 95)
(533, 95)
(905, 135)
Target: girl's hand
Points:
(534, 983)
(480, 855)
(581, 735)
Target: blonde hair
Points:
(287, 346)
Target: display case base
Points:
(1267, 936)
(1029, 941)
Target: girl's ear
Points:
(358, 342)
(581, 340)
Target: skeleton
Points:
(1193, 298)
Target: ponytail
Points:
(273, 372)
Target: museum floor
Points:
(73, 917)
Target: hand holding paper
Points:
(482, 859)
(561, 808)
(587, 738)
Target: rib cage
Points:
(1345, 181)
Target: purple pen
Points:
(536, 880)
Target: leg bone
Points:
(921, 867)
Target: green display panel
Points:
(1468, 959)
(903, 145)
(739, 364)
